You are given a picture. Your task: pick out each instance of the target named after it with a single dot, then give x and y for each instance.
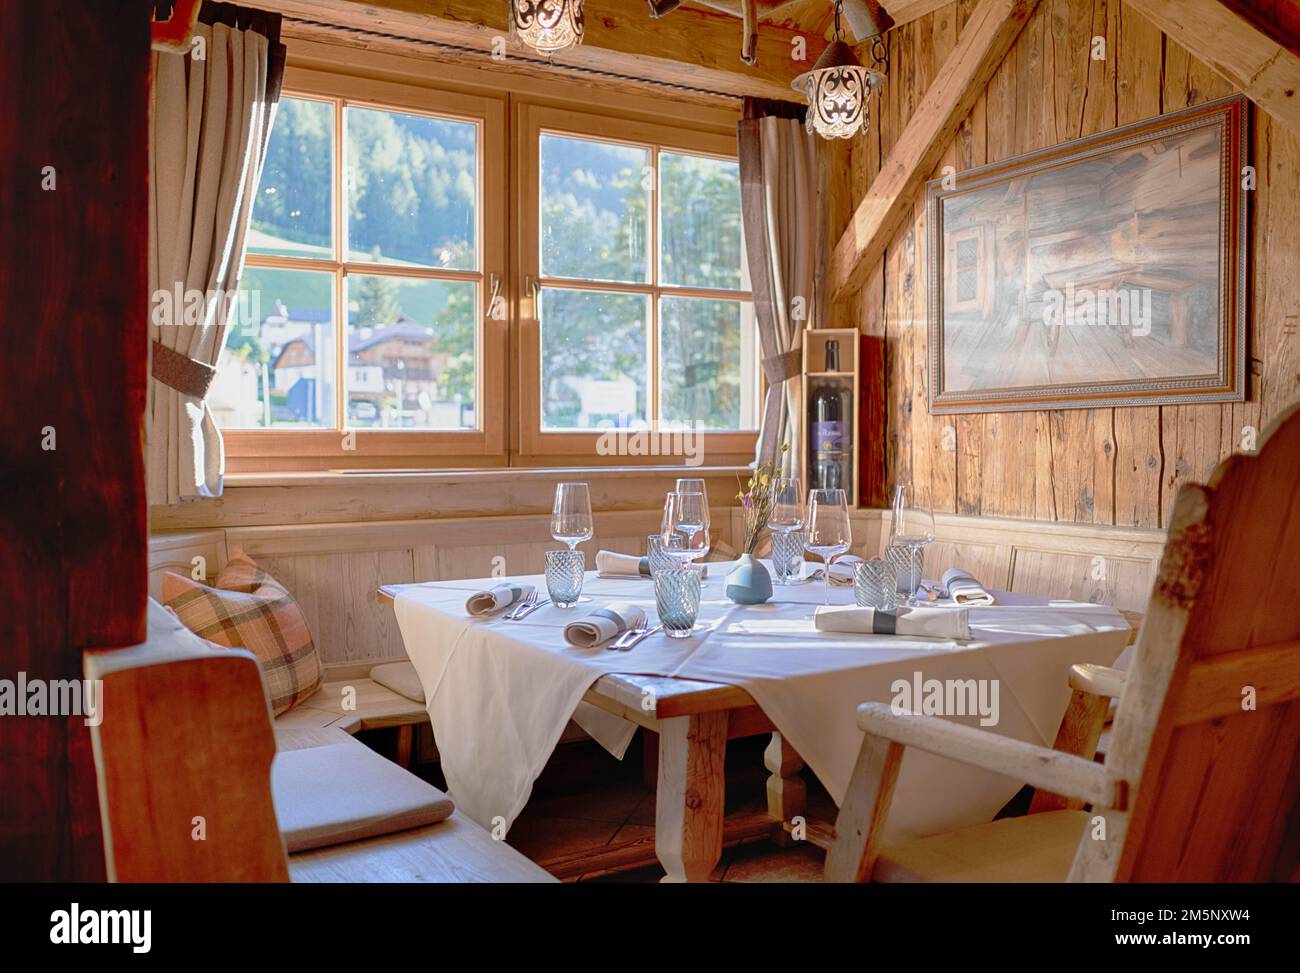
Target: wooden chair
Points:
(1201, 780)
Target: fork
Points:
(631, 643)
(519, 610)
(631, 637)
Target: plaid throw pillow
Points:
(249, 609)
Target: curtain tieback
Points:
(180, 372)
(779, 368)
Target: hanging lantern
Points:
(547, 26)
(837, 87)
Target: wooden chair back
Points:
(183, 758)
(1207, 735)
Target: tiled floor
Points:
(586, 800)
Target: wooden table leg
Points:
(787, 795)
(649, 758)
(689, 798)
(405, 743)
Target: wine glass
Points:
(571, 521)
(687, 485)
(688, 514)
(786, 518)
(829, 533)
(913, 526)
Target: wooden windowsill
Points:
(302, 498)
(487, 475)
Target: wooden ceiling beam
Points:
(693, 47)
(988, 35)
(1268, 73)
(906, 11)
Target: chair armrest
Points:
(1098, 680)
(1135, 620)
(1061, 773)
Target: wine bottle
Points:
(829, 412)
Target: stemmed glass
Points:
(913, 527)
(571, 521)
(688, 514)
(786, 518)
(829, 533)
(696, 485)
(688, 485)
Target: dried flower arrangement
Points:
(756, 500)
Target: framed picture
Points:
(1102, 272)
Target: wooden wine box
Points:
(844, 380)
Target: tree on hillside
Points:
(375, 298)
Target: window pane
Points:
(411, 353)
(593, 358)
(277, 368)
(292, 215)
(412, 193)
(594, 201)
(699, 231)
(706, 363)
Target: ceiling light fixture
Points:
(837, 85)
(547, 26)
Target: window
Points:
(640, 292)
(366, 275)
(380, 325)
(408, 350)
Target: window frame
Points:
(258, 449)
(530, 441)
(502, 104)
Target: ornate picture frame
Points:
(1107, 271)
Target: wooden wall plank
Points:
(934, 468)
(1277, 302)
(986, 38)
(1192, 435)
(1137, 467)
(1105, 466)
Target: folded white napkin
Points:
(603, 624)
(841, 572)
(610, 564)
(942, 623)
(498, 597)
(963, 589)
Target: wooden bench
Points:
(184, 756)
(349, 699)
(357, 703)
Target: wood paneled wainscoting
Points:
(334, 569)
(1113, 566)
(1083, 562)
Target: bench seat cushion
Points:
(353, 705)
(1033, 848)
(342, 792)
(401, 678)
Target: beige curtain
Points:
(779, 206)
(211, 119)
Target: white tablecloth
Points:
(500, 693)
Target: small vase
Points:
(748, 583)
